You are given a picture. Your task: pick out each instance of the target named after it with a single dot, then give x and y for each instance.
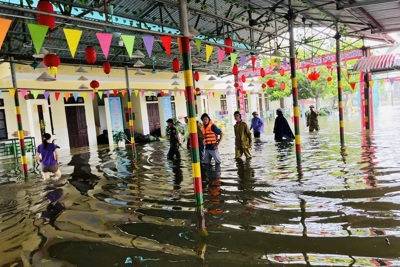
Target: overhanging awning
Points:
(378, 63)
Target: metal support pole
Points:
(191, 111)
(295, 92)
(131, 125)
(366, 100)
(24, 161)
(339, 79)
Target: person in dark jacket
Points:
(174, 141)
(282, 129)
(312, 119)
(47, 156)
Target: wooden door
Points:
(3, 125)
(154, 119)
(77, 128)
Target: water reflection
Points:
(339, 208)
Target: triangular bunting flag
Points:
(12, 92)
(130, 91)
(123, 91)
(391, 80)
(46, 95)
(100, 94)
(35, 93)
(148, 43)
(129, 41)
(84, 95)
(264, 62)
(92, 94)
(166, 42)
(213, 94)
(272, 63)
(67, 95)
(371, 83)
(142, 92)
(57, 95)
(73, 37)
(233, 59)
(4, 26)
(221, 54)
(136, 92)
(243, 60)
(180, 93)
(156, 93)
(38, 33)
(115, 92)
(209, 50)
(108, 93)
(105, 42)
(23, 92)
(198, 44)
(75, 96)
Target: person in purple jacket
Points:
(48, 157)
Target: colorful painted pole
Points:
(295, 92)
(24, 161)
(366, 100)
(191, 111)
(339, 79)
(131, 125)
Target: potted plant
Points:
(119, 138)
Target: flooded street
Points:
(340, 208)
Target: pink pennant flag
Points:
(105, 42)
(142, 92)
(180, 93)
(23, 92)
(221, 54)
(166, 41)
(92, 94)
(148, 43)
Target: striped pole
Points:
(24, 161)
(131, 125)
(191, 111)
(366, 100)
(339, 79)
(295, 92)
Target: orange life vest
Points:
(210, 138)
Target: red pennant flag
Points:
(57, 95)
(115, 92)
(166, 41)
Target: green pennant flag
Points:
(129, 41)
(233, 59)
(38, 33)
(264, 62)
(100, 94)
(278, 62)
(35, 93)
(198, 45)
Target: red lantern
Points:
(228, 42)
(313, 76)
(283, 86)
(263, 85)
(236, 85)
(46, 6)
(198, 90)
(90, 54)
(244, 92)
(262, 72)
(329, 64)
(176, 65)
(52, 61)
(95, 85)
(107, 67)
(235, 70)
(353, 85)
(271, 83)
(329, 79)
(196, 76)
(243, 78)
(282, 72)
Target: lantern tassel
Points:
(53, 71)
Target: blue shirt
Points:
(47, 154)
(256, 124)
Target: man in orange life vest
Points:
(211, 140)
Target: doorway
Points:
(77, 128)
(154, 119)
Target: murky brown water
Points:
(341, 208)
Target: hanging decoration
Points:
(107, 67)
(46, 20)
(353, 85)
(90, 54)
(221, 54)
(228, 42)
(236, 85)
(198, 90)
(282, 72)
(196, 76)
(263, 85)
(52, 61)
(313, 76)
(166, 42)
(329, 64)
(235, 70)
(283, 86)
(95, 85)
(253, 62)
(329, 79)
(105, 42)
(176, 65)
(73, 37)
(148, 43)
(272, 83)
(262, 72)
(243, 78)
(4, 26)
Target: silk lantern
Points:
(283, 86)
(262, 72)
(243, 78)
(271, 83)
(282, 72)
(196, 76)
(95, 85)
(46, 20)
(90, 54)
(235, 70)
(52, 61)
(107, 67)
(228, 42)
(329, 79)
(176, 65)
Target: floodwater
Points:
(340, 208)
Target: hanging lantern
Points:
(228, 42)
(176, 65)
(353, 85)
(329, 79)
(95, 85)
(329, 64)
(262, 72)
(90, 54)
(243, 78)
(271, 83)
(107, 67)
(282, 72)
(313, 76)
(46, 20)
(52, 61)
(253, 62)
(196, 76)
(244, 92)
(263, 85)
(235, 70)
(198, 90)
(283, 86)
